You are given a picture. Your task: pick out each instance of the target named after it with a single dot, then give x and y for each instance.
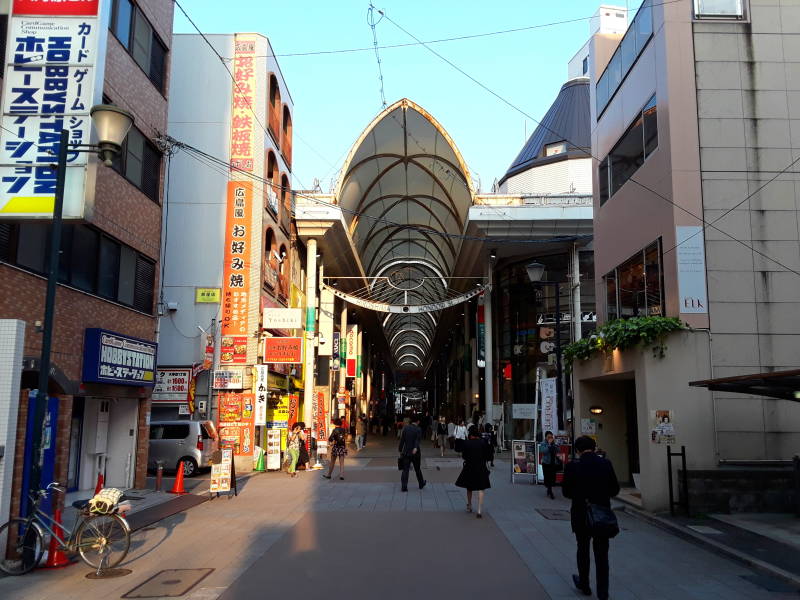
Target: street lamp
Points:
(112, 125)
(535, 272)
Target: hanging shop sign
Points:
(277, 410)
(352, 348)
(49, 85)
(335, 352)
(322, 418)
(110, 357)
(283, 318)
(172, 385)
(481, 319)
(261, 384)
(691, 259)
(236, 426)
(547, 389)
(326, 315)
(283, 350)
(207, 347)
(294, 405)
(405, 308)
(523, 411)
(236, 275)
(207, 295)
(233, 349)
(228, 379)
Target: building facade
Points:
(695, 218)
(105, 331)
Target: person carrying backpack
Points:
(338, 445)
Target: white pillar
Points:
(489, 375)
(575, 289)
(342, 364)
(310, 329)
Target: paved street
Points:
(372, 541)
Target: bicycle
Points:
(101, 540)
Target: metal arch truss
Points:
(406, 307)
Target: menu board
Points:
(236, 422)
(524, 457)
(221, 472)
(273, 450)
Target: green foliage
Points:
(623, 334)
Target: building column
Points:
(310, 329)
(575, 294)
(489, 374)
(342, 363)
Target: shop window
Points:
(134, 32)
(127, 275)
(719, 9)
(139, 162)
(83, 267)
(635, 288)
(585, 65)
(32, 246)
(108, 268)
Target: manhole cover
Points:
(771, 584)
(169, 583)
(108, 574)
(554, 514)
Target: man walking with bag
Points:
(410, 437)
(590, 482)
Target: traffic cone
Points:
(260, 463)
(177, 488)
(55, 557)
(100, 483)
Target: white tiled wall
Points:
(12, 335)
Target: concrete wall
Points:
(661, 384)
(748, 97)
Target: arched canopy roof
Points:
(403, 185)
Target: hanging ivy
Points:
(623, 334)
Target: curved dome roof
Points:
(404, 188)
(567, 119)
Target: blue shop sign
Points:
(110, 357)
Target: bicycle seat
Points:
(80, 504)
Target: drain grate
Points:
(169, 583)
(554, 514)
(771, 584)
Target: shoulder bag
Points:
(601, 521)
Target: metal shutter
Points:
(143, 287)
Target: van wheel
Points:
(189, 467)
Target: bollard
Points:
(159, 475)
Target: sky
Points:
(337, 95)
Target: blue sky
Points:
(336, 95)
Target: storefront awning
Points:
(776, 384)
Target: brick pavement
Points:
(277, 523)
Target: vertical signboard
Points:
(236, 427)
(335, 349)
(481, 336)
(547, 388)
(236, 275)
(691, 258)
(352, 349)
(244, 90)
(262, 376)
(49, 85)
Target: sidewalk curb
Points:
(713, 546)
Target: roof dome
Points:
(566, 121)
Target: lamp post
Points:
(112, 125)
(535, 272)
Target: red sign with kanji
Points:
(61, 8)
(283, 350)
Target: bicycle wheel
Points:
(21, 547)
(103, 540)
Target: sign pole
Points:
(40, 402)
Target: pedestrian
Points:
(361, 430)
(451, 429)
(296, 438)
(460, 435)
(548, 451)
(441, 433)
(488, 436)
(303, 458)
(337, 443)
(589, 480)
(410, 453)
(474, 476)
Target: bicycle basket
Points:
(105, 502)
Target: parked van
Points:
(192, 442)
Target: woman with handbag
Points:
(590, 482)
(294, 441)
(474, 477)
(460, 435)
(337, 443)
(548, 451)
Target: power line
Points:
(578, 147)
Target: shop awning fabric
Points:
(776, 384)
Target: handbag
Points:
(401, 463)
(601, 521)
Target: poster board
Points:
(663, 428)
(223, 472)
(523, 459)
(235, 426)
(273, 450)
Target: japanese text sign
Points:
(261, 385)
(110, 357)
(49, 85)
(283, 318)
(244, 91)
(352, 349)
(172, 385)
(228, 379)
(283, 350)
(236, 275)
(236, 422)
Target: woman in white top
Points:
(460, 433)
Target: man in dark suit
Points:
(410, 437)
(589, 478)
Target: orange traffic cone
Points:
(177, 488)
(56, 558)
(100, 483)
